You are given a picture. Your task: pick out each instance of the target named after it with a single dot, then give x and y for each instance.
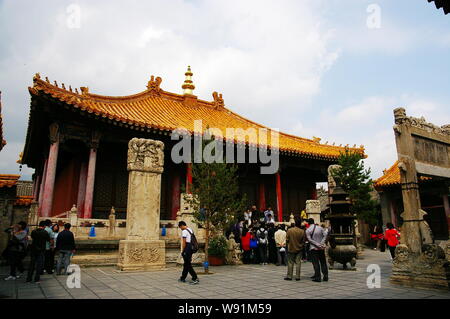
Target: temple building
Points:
(434, 193)
(77, 143)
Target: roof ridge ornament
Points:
(84, 90)
(218, 100)
(188, 86)
(153, 85)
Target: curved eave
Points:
(81, 103)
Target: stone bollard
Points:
(142, 249)
(112, 223)
(73, 219)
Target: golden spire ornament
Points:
(188, 86)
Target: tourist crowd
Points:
(41, 245)
(264, 241)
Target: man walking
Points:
(186, 248)
(40, 238)
(65, 245)
(317, 236)
(295, 239)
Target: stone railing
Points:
(81, 227)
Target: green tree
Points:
(355, 180)
(216, 199)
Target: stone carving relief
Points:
(401, 118)
(145, 155)
(139, 255)
(331, 180)
(312, 206)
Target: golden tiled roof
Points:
(157, 109)
(392, 177)
(23, 200)
(8, 180)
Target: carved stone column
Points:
(142, 249)
(313, 210)
(90, 178)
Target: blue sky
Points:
(311, 68)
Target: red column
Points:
(314, 192)
(82, 188)
(188, 177)
(41, 187)
(36, 187)
(89, 197)
(447, 209)
(262, 196)
(279, 198)
(176, 184)
(50, 179)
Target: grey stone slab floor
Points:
(228, 282)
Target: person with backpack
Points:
(261, 234)
(245, 243)
(254, 254)
(189, 246)
(17, 250)
(317, 237)
(40, 238)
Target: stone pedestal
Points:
(142, 255)
(313, 210)
(428, 269)
(142, 249)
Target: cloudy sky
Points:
(329, 68)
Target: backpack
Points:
(262, 237)
(194, 242)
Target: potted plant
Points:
(217, 250)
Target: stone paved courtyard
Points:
(228, 282)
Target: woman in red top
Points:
(245, 242)
(391, 236)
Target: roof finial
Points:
(188, 86)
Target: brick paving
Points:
(227, 282)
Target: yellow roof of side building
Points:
(157, 109)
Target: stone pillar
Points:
(82, 188)
(90, 179)
(36, 183)
(33, 216)
(279, 198)
(47, 200)
(142, 249)
(313, 210)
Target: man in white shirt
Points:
(268, 212)
(186, 252)
(280, 240)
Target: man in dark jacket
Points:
(39, 237)
(65, 244)
(295, 239)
